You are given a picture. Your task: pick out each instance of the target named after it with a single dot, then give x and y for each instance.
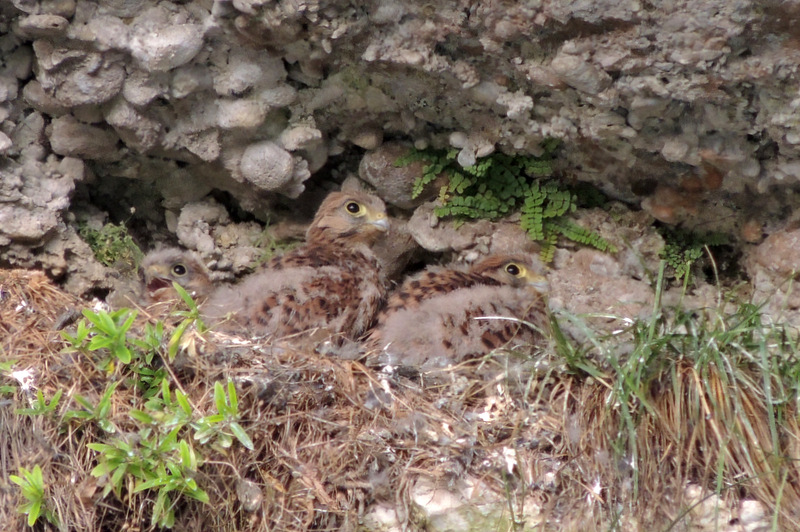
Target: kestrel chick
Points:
(436, 318)
(162, 267)
(333, 282)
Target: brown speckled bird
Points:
(162, 267)
(430, 321)
(333, 282)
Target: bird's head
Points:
(349, 217)
(162, 267)
(514, 270)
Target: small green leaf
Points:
(55, 399)
(219, 398)
(204, 434)
(93, 317)
(141, 417)
(100, 447)
(183, 401)
(214, 418)
(234, 400)
(128, 322)
(175, 339)
(241, 435)
(84, 402)
(156, 482)
(123, 354)
(170, 441)
(100, 342)
(187, 458)
(199, 495)
(37, 477)
(118, 476)
(107, 426)
(185, 296)
(105, 323)
(33, 512)
(105, 402)
(100, 469)
(165, 392)
(225, 440)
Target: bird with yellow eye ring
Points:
(161, 267)
(445, 316)
(333, 283)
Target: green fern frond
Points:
(572, 231)
(683, 248)
(548, 248)
(500, 184)
(436, 165)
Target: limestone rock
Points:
(394, 183)
(168, 47)
(5, 143)
(590, 281)
(70, 137)
(269, 167)
(238, 70)
(580, 74)
(40, 100)
(36, 195)
(779, 253)
(194, 225)
(136, 130)
(299, 137)
(36, 26)
(141, 87)
(771, 266)
(471, 239)
(74, 77)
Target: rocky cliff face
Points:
(168, 114)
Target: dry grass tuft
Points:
(713, 429)
(598, 441)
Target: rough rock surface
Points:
(773, 266)
(394, 182)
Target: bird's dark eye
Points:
(353, 207)
(179, 269)
(513, 269)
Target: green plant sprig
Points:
(41, 406)
(33, 490)
(160, 448)
(153, 461)
(224, 425)
(109, 331)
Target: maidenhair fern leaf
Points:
(581, 235)
(500, 184)
(683, 248)
(437, 165)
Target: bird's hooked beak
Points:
(537, 281)
(156, 277)
(379, 220)
(156, 270)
